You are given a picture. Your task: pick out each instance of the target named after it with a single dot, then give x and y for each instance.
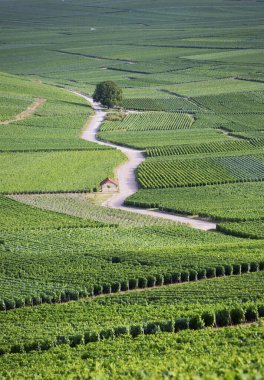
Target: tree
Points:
(108, 94)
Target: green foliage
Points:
(121, 330)
(32, 172)
(208, 318)
(196, 323)
(251, 229)
(223, 318)
(108, 94)
(251, 313)
(237, 316)
(56, 125)
(192, 69)
(203, 148)
(17, 216)
(220, 202)
(136, 330)
(151, 328)
(173, 172)
(106, 334)
(210, 272)
(181, 324)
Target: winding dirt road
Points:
(126, 174)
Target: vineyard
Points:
(111, 255)
(171, 104)
(92, 292)
(123, 357)
(251, 229)
(16, 216)
(34, 171)
(149, 121)
(134, 308)
(157, 138)
(86, 207)
(55, 125)
(212, 147)
(219, 202)
(162, 173)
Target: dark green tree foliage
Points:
(193, 275)
(185, 276)
(228, 270)
(176, 277)
(108, 94)
(245, 267)
(133, 283)
(116, 287)
(159, 280)
(75, 340)
(236, 269)
(91, 336)
(106, 334)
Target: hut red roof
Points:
(107, 180)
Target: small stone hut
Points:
(109, 185)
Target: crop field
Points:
(219, 202)
(170, 172)
(92, 292)
(154, 138)
(211, 147)
(111, 255)
(148, 121)
(87, 207)
(17, 216)
(158, 304)
(171, 104)
(249, 229)
(56, 125)
(45, 171)
(124, 356)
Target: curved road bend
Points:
(126, 174)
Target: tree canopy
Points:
(108, 93)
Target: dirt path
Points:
(28, 112)
(126, 174)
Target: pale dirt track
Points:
(126, 174)
(28, 112)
